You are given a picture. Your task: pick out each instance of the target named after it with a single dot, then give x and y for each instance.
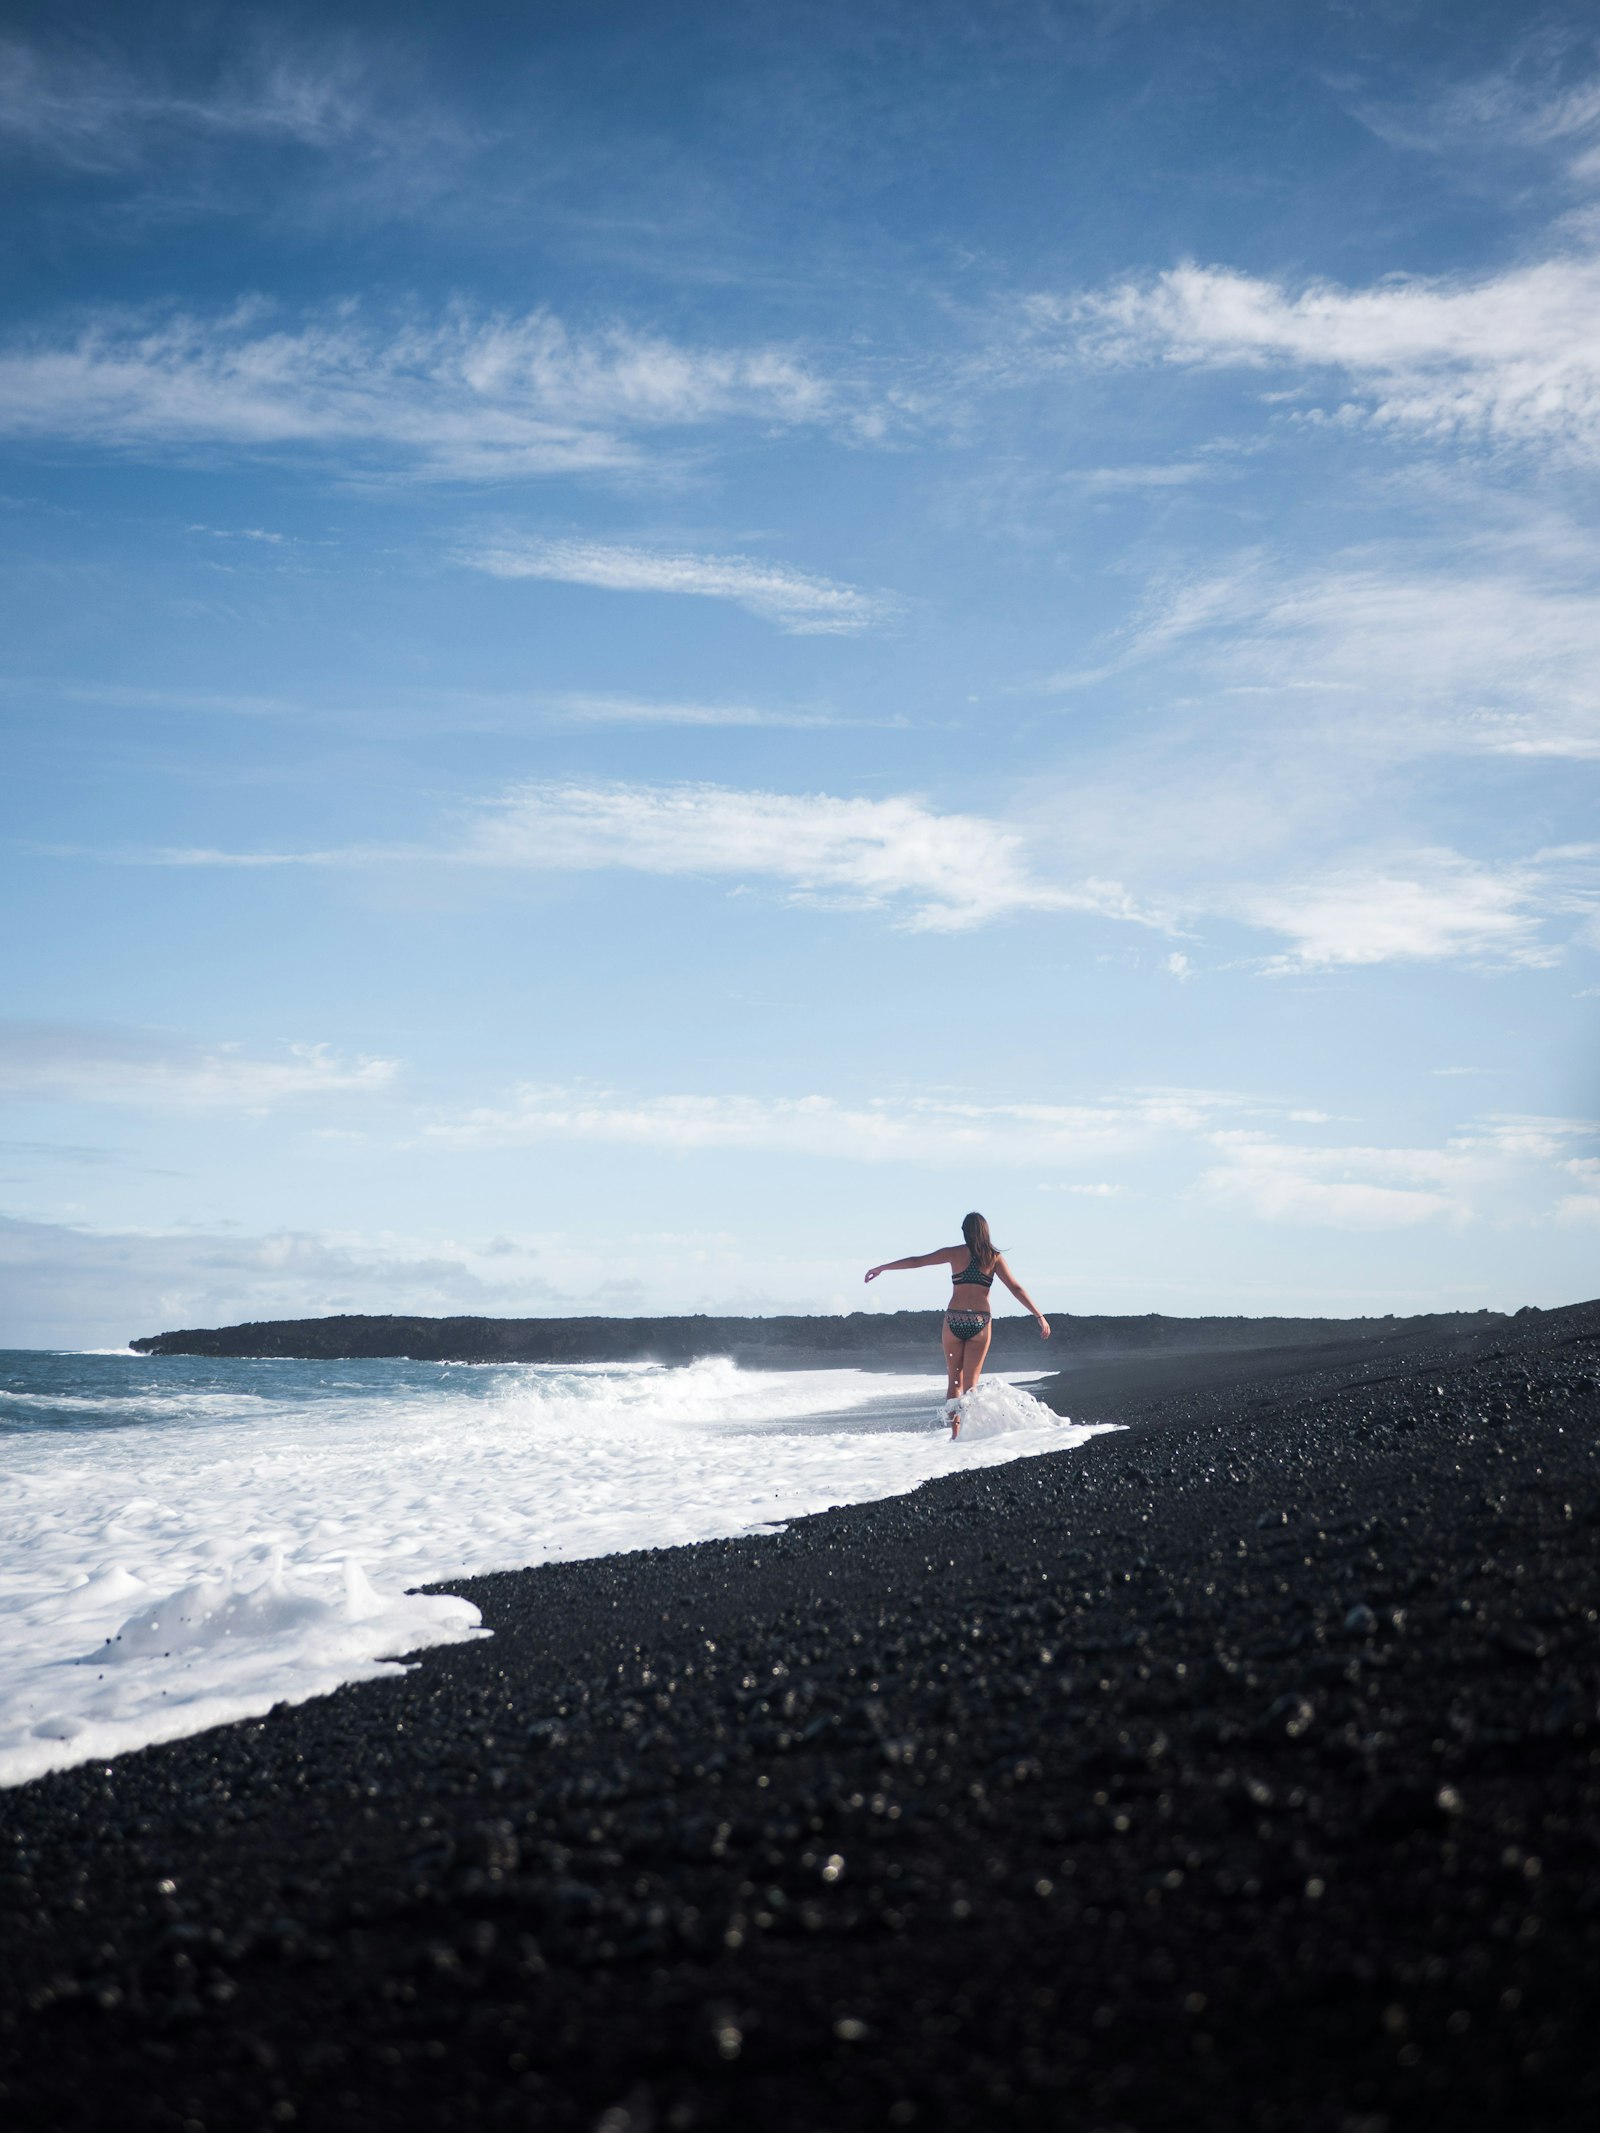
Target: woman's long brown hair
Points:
(979, 1243)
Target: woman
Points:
(967, 1324)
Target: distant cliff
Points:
(861, 1338)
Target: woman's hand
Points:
(1044, 1326)
(873, 1272)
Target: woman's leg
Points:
(972, 1355)
(952, 1363)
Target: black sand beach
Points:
(1241, 1769)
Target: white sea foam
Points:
(176, 1554)
(993, 1409)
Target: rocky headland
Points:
(858, 1339)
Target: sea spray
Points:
(995, 1408)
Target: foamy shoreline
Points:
(189, 1543)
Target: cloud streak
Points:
(799, 604)
(63, 1063)
(946, 873)
(1404, 652)
(943, 873)
(587, 708)
(94, 113)
(926, 1130)
(462, 395)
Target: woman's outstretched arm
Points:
(899, 1266)
(1023, 1298)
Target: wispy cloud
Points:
(924, 1130)
(1171, 474)
(63, 1063)
(131, 696)
(1502, 1165)
(1332, 1188)
(1233, 1151)
(950, 873)
(1493, 661)
(587, 708)
(944, 872)
(1545, 99)
(462, 395)
(243, 533)
(1426, 906)
(1582, 1202)
(1510, 358)
(1488, 645)
(800, 604)
(94, 111)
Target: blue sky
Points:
(646, 649)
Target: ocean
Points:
(186, 1541)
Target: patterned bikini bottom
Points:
(967, 1325)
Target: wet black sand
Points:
(1242, 1770)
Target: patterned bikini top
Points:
(971, 1278)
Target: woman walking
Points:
(967, 1323)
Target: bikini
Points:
(967, 1325)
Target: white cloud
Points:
(949, 872)
(1503, 1165)
(923, 1130)
(1173, 474)
(1399, 656)
(589, 708)
(1326, 1188)
(1510, 358)
(243, 533)
(128, 1067)
(465, 395)
(944, 873)
(799, 603)
(1236, 1151)
(1582, 1205)
(1421, 907)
